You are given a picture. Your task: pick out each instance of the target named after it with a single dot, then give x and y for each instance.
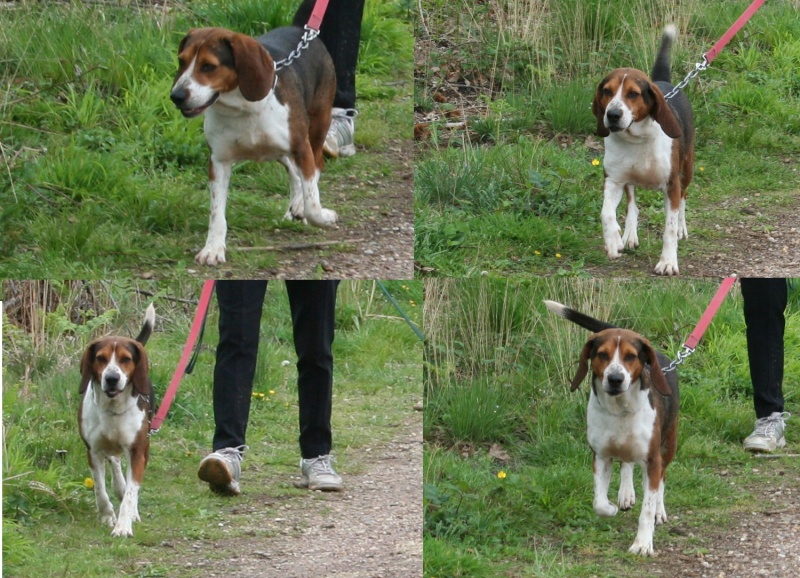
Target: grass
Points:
(507, 469)
(100, 173)
(523, 195)
(46, 507)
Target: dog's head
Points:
(618, 358)
(214, 61)
(627, 96)
(114, 363)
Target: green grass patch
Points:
(507, 469)
(525, 73)
(47, 508)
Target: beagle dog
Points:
(632, 417)
(255, 112)
(114, 419)
(649, 142)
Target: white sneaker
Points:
(318, 474)
(340, 141)
(768, 434)
(221, 469)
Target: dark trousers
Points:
(340, 32)
(312, 306)
(764, 306)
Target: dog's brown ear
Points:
(185, 40)
(141, 373)
(86, 367)
(254, 67)
(663, 113)
(657, 378)
(583, 364)
(598, 111)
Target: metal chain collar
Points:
(682, 356)
(698, 68)
(309, 35)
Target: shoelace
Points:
(234, 453)
(322, 464)
(765, 426)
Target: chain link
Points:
(698, 68)
(682, 356)
(309, 35)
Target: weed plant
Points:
(507, 469)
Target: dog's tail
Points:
(661, 69)
(149, 323)
(578, 318)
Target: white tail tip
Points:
(150, 315)
(671, 31)
(556, 308)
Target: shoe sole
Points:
(764, 448)
(218, 478)
(303, 484)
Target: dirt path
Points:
(762, 539)
(372, 530)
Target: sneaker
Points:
(768, 434)
(318, 474)
(221, 470)
(341, 134)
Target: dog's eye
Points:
(607, 92)
(603, 355)
(207, 68)
(125, 360)
(630, 358)
(102, 359)
(633, 95)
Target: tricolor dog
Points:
(114, 418)
(254, 112)
(649, 143)
(632, 417)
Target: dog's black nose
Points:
(615, 380)
(614, 115)
(112, 379)
(179, 96)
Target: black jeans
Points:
(764, 305)
(340, 32)
(313, 306)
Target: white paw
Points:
(666, 267)
(211, 255)
(326, 218)
(123, 529)
(606, 509)
(614, 245)
(643, 548)
(630, 239)
(295, 215)
(661, 516)
(108, 519)
(626, 499)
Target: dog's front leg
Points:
(626, 497)
(312, 208)
(668, 264)
(117, 477)
(219, 176)
(602, 477)
(612, 195)
(105, 510)
(129, 508)
(630, 238)
(643, 544)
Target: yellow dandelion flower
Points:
(272, 392)
(702, 169)
(89, 483)
(558, 255)
(537, 252)
(595, 162)
(501, 474)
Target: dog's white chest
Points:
(110, 425)
(620, 427)
(642, 158)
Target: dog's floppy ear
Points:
(86, 367)
(254, 67)
(141, 373)
(583, 364)
(663, 113)
(657, 378)
(598, 111)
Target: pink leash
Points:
(320, 7)
(194, 334)
(746, 15)
(705, 320)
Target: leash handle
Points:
(197, 326)
(722, 42)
